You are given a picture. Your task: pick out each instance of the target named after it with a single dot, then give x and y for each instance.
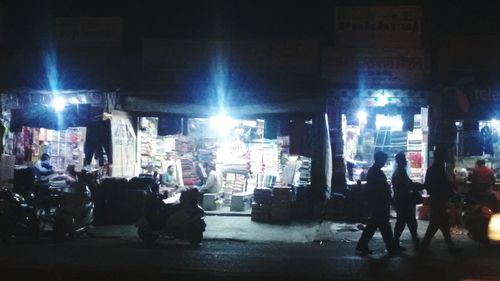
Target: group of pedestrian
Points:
(406, 196)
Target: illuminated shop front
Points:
(380, 120)
(248, 153)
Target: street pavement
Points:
(115, 253)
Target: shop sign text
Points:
(378, 26)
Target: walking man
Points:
(404, 188)
(440, 191)
(379, 200)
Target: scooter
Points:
(183, 220)
(478, 210)
(17, 216)
(75, 213)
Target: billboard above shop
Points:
(470, 101)
(378, 26)
(373, 66)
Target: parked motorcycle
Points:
(17, 216)
(478, 211)
(75, 213)
(184, 220)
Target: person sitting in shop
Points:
(71, 175)
(168, 178)
(483, 178)
(213, 184)
(43, 166)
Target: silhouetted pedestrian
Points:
(404, 201)
(440, 191)
(379, 200)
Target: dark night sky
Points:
(243, 19)
(28, 23)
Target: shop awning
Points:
(148, 106)
(375, 97)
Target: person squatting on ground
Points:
(404, 202)
(440, 191)
(379, 201)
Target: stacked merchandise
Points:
(7, 166)
(64, 147)
(183, 146)
(281, 207)
(255, 152)
(304, 172)
(270, 157)
(256, 155)
(146, 150)
(189, 175)
(261, 207)
(147, 136)
(75, 138)
(234, 182)
(206, 150)
(159, 153)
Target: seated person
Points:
(71, 175)
(483, 178)
(43, 166)
(213, 184)
(168, 178)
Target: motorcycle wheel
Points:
(146, 235)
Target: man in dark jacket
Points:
(440, 191)
(379, 200)
(404, 188)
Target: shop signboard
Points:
(477, 101)
(89, 32)
(378, 26)
(236, 56)
(386, 67)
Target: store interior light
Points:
(222, 123)
(495, 123)
(362, 117)
(58, 103)
(394, 123)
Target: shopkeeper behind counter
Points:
(43, 166)
(213, 184)
(168, 178)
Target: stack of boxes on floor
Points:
(281, 207)
(272, 205)
(261, 207)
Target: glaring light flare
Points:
(494, 228)
(362, 117)
(58, 103)
(222, 123)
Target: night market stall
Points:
(366, 121)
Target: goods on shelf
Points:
(189, 175)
